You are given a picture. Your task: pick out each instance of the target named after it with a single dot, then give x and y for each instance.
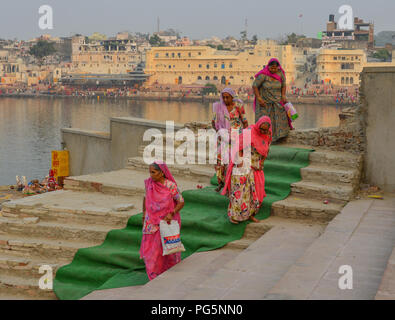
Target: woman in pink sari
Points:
(245, 182)
(162, 201)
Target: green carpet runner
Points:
(205, 226)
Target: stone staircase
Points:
(331, 175)
(292, 261)
(50, 228)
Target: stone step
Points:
(343, 160)
(75, 207)
(240, 244)
(26, 268)
(41, 248)
(283, 244)
(252, 273)
(19, 286)
(323, 190)
(300, 207)
(331, 174)
(335, 158)
(175, 282)
(54, 230)
(124, 182)
(361, 237)
(197, 172)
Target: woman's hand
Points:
(261, 102)
(284, 99)
(169, 217)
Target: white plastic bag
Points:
(170, 237)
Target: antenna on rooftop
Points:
(158, 25)
(246, 27)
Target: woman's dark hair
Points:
(156, 166)
(273, 63)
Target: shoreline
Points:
(159, 96)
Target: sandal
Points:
(219, 188)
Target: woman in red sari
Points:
(245, 183)
(162, 201)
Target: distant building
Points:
(340, 67)
(203, 64)
(115, 56)
(361, 37)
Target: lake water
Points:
(30, 127)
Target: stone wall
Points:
(92, 151)
(348, 136)
(378, 108)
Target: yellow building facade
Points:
(203, 64)
(340, 67)
(103, 56)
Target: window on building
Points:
(207, 78)
(200, 65)
(207, 66)
(172, 54)
(189, 65)
(223, 66)
(215, 65)
(215, 78)
(189, 54)
(342, 80)
(179, 55)
(199, 78)
(230, 65)
(199, 53)
(351, 80)
(334, 58)
(167, 54)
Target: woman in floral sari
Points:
(228, 114)
(270, 97)
(162, 201)
(245, 182)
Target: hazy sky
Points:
(195, 18)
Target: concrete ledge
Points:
(383, 69)
(145, 122)
(89, 133)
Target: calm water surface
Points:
(30, 127)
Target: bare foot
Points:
(253, 219)
(233, 221)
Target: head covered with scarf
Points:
(261, 142)
(220, 109)
(266, 71)
(158, 199)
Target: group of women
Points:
(243, 183)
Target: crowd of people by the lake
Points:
(240, 177)
(309, 89)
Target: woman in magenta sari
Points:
(245, 182)
(162, 201)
